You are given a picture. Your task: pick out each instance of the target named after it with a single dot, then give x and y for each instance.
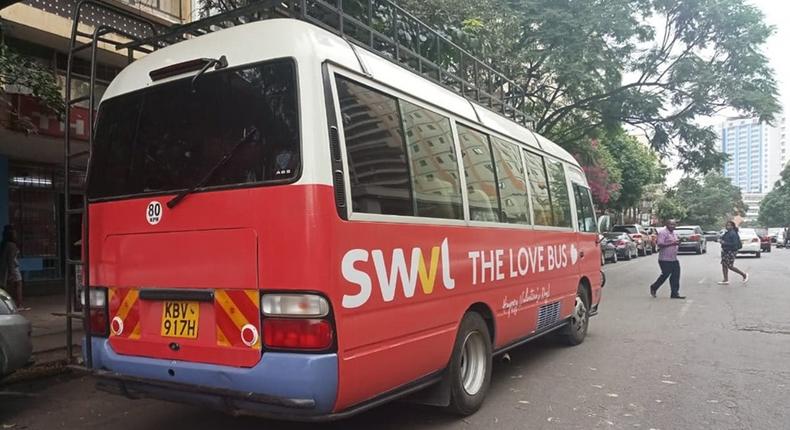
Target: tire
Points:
(627, 256)
(642, 253)
(699, 249)
(470, 367)
(576, 330)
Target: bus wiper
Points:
(216, 63)
(248, 136)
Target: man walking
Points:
(668, 261)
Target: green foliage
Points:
(639, 166)
(775, 207)
(600, 63)
(710, 202)
(21, 71)
(670, 208)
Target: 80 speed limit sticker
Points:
(153, 213)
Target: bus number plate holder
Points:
(180, 319)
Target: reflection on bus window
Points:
(434, 166)
(512, 188)
(378, 169)
(539, 188)
(560, 201)
(480, 177)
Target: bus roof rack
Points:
(383, 28)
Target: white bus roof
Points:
(311, 46)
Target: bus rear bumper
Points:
(281, 385)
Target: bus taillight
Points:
(98, 312)
(296, 321)
(313, 334)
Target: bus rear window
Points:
(167, 137)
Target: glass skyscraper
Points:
(746, 141)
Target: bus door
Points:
(587, 237)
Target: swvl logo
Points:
(398, 273)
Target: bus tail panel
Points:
(186, 296)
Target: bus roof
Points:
(311, 46)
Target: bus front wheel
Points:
(470, 367)
(576, 330)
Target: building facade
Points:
(31, 139)
(746, 142)
(758, 152)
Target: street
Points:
(718, 360)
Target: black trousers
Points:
(671, 270)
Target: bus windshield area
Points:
(167, 137)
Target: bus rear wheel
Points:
(470, 367)
(576, 330)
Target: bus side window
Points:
(585, 213)
(539, 185)
(560, 200)
(434, 163)
(378, 168)
(512, 186)
(480, 175)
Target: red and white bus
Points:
(304, 229)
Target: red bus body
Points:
(397, 292)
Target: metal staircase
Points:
(379, 26)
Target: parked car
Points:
(750, 242)
(608, 250)
(624, 244)
(691, 239)
(16, 345)
(640, 236)
(653, 232)
(765, 242)
(773, 234)
(712, 236)
(780, 239)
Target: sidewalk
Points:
(49, 331)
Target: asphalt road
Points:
(718, 360)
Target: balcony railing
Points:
(172, 10)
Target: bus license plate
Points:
(180, 319)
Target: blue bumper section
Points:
(280, 385)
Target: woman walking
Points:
(730, 243)
(10, 275)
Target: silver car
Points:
(15, 341)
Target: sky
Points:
(777, 14)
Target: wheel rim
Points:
(473, 363)
(579, 318)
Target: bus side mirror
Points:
(604, 223)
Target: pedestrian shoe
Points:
(746, 278)
(677, 297)
(723, 282)
(653, 291)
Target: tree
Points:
(602, 172)
(711, 201)
(639, 166)
(775, 206)
(670, 208)
(600, 63)
(27, 75)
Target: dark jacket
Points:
(730, 241)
